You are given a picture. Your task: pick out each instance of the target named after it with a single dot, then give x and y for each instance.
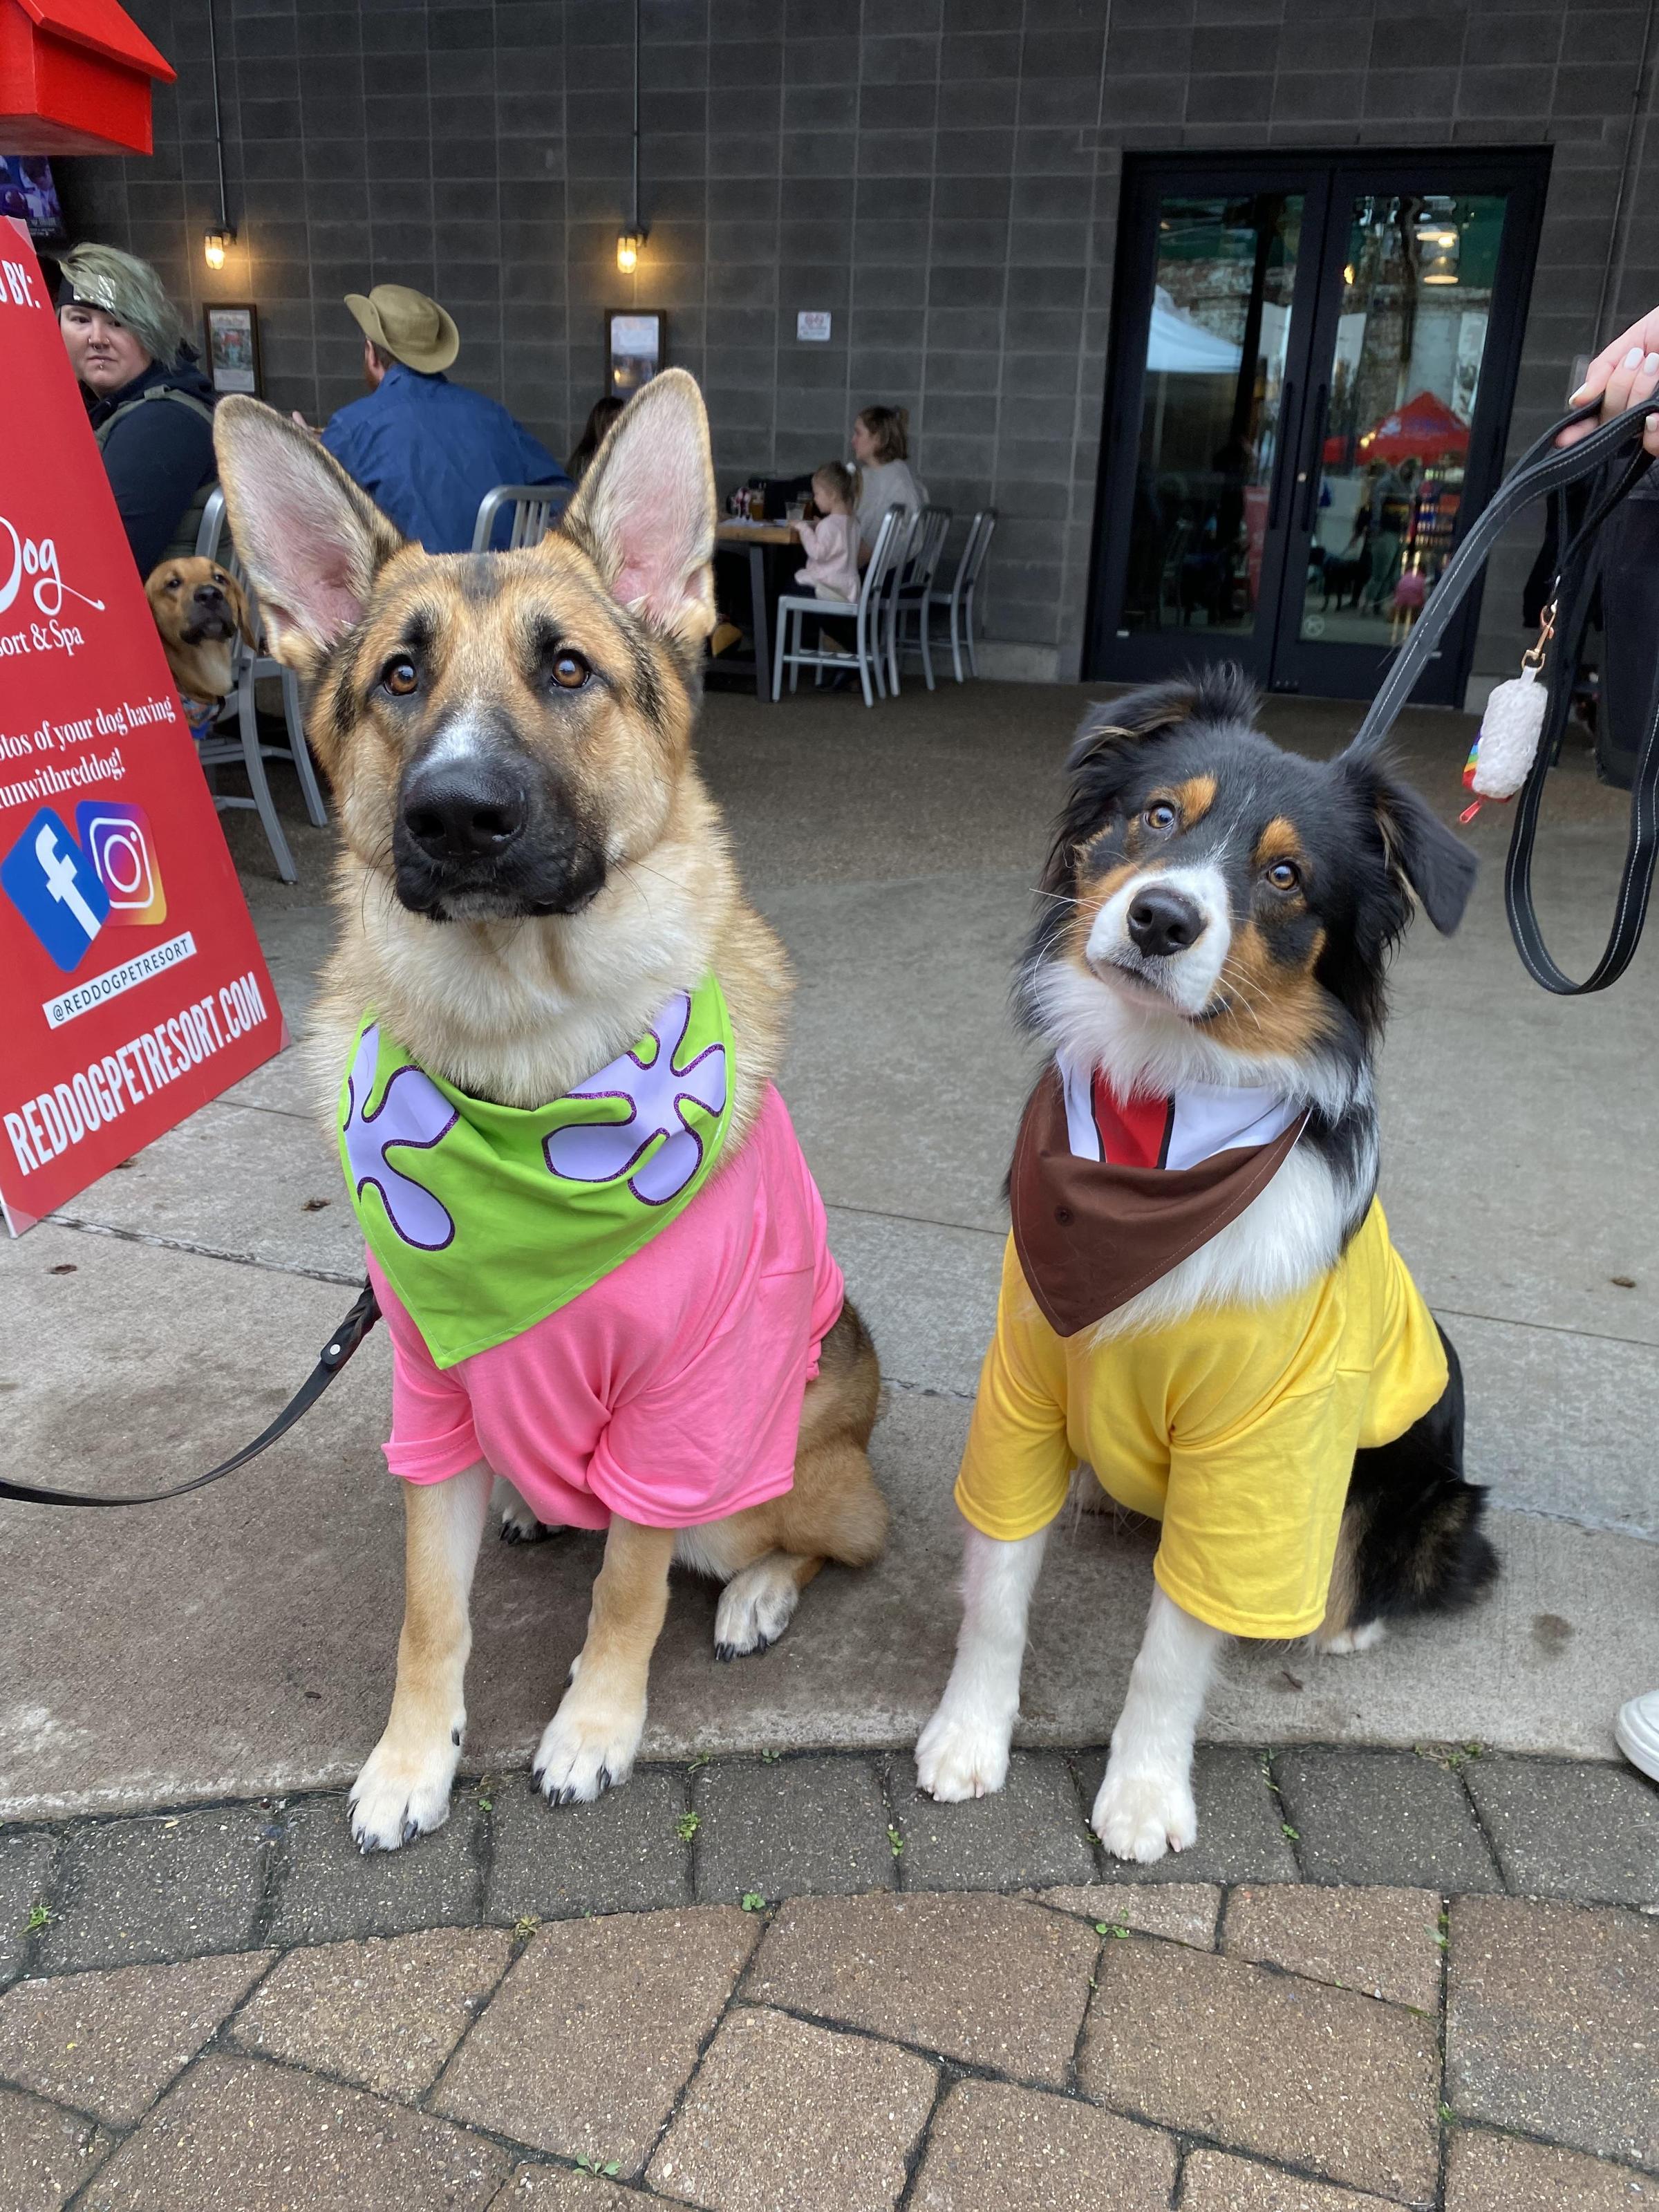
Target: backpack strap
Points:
(197, 406)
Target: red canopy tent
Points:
(75, 78)
(1425, 430)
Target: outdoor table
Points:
(759, 537)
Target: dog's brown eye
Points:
(570, 670)
(1284, 875)
(400, 678)
(1160, 815)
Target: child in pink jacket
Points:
(831, 566)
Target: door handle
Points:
(1287, 414)
(1315, 469)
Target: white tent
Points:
(1178, 346)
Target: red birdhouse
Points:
(75, 78)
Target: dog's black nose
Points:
(1160, 921)
(466, 812)
(208, 595)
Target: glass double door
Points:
(1313, 367)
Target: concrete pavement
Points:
(242, 1642)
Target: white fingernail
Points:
(1650, 365)
(1652, 422)
(1633, 358)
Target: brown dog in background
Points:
(515, 968)
(199, 610)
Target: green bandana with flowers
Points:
(487, 1218)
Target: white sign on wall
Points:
(812, 325)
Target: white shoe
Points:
(1638, 1730)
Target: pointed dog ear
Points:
(310, 541)
(1420, 852)
(645, 513)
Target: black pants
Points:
(818, 630)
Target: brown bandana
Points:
(1091, 1235)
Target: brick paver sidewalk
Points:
(1426, 1978)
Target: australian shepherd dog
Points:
(1200, 1301)
(535, 898)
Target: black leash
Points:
(332, 1358)
(1545, 470)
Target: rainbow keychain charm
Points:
(1500, 760)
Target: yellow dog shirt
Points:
(1236, 1428)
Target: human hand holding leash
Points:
(1624, 374)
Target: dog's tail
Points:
(848, 1395)
(1411, 1539)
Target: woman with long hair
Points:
(881, 450)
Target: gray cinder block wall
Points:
(941, 175)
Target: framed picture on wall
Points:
(635, 341)
(232, 347)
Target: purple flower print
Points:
(600, 1151)
(413, 1112)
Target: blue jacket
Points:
(426, 451)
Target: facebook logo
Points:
(56, 889)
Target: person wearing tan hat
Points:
(425, 450)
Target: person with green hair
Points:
(150, 407)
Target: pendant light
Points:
(630, 241)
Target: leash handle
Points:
(334, 1355)
(1545, 469)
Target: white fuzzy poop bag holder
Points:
(1506, 744)
(1508, 761)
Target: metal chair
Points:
(245, 748)
(915, 591)
(960, 602)
(905, 537)
(870, 650)
(536, 510)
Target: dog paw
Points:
(756, 1607)
(401, 1793)
(519, 1523)
(1362, 1638)
(583, 1754)
(960, 1755)
(515, 1531)
(1142, 1816)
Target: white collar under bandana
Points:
(1200, 1120)
(1109, 1196)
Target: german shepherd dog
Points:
(1215, 925)
(532, 869)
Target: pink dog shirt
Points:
(670, 1392)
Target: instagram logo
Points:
(115, 836)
